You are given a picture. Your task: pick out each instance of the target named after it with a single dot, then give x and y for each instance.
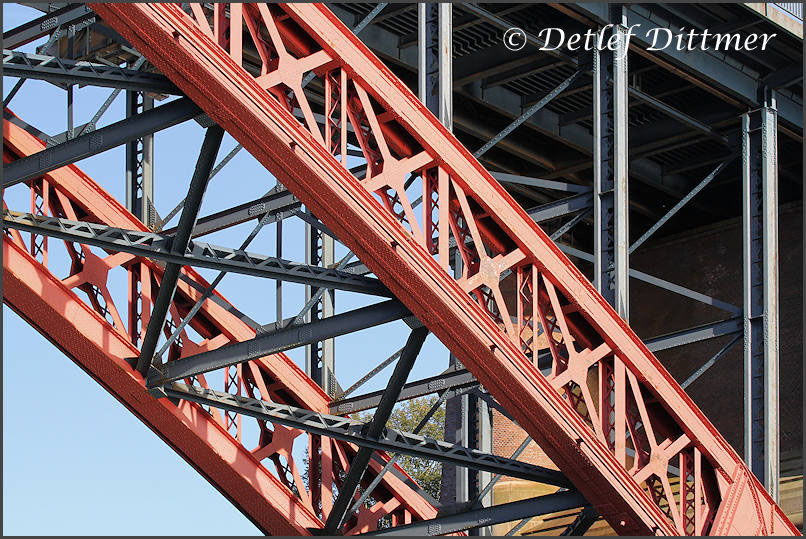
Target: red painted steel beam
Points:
(233, 469)
(83, 335)
(187, 54)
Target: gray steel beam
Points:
(760, 277)
(435, 79)
(561, 207)
(157, 246)
(451, 379)
(320, 356)
(179, 244)
(541, 183)
(41, 26)
(730, 326)
(391, 462)
(582, 523)
(560, 232)
(786, 76)
(279, 205)
(351, 430)
(528, 113)
(278, 341)
(487, 490)
(65, 71)
(90, 144)
(710, 363)
(140, 164)
(497, 514)
(374, 429)
(677, 115)
(381, 366)
(610, 201)
(699, 187)
(215, 171)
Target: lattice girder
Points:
(374, 216)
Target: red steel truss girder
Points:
(100, 349)
(84, 336)
(260, 120)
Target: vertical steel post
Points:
(760, 279)
(140, 164)
(320, 361)
(485, 443)
(435, 60)
(611, 238)
(70, 133)
(435, 86)
(139, 198)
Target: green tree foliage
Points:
(406, 416)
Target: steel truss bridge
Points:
(432, 235)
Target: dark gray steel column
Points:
(435, 59)
(610, 210)
(140, 163)
(320, 357)
(760, 277)
(375, 429)
(198, 184)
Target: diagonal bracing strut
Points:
(278, 341)
(158, 247)
(375, 428)
(351, 430)
(198, 184)
(103, 139)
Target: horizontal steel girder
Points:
(488, 516)
(350, 430)
(66, 71)
(692, 335)
(279, 205)
(561, 207)
(98, 141)
(42, 26)
(279, 341)
(540, 183)
(451, 380)
(157, 246)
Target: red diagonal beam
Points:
(84, 336)
(275, 506)
(230, 95)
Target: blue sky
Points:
(75, 461)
